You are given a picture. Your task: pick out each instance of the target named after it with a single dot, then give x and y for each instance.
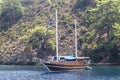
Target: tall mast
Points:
(56, 35)
(75, 39)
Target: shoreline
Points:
(32, 63)
(92, 64)
(105, 64)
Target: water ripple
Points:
(33, 73)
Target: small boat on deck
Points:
(62, 63)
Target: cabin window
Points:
(62, 58)
(55, 58)
(70, 59)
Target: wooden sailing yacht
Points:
(58, 63)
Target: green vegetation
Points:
(37, 29)
(49, 1)
(23, 24)
(51, 45)
(12, 11)
(24, 38)
(103, 19)
(0, 6)
(1, 42)
(34, 37)
(116, 30)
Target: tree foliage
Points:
(116, 30)
(37, 29)
(98, 27)
(104, 19)
(12, 11)
(104, 15)
(35, 35)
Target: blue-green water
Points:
(39, 73)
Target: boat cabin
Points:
(71, 58)
(65, 58)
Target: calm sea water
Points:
(39, 73)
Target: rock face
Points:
(17, 56)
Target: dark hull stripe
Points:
(72, 65)
(59, 68)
